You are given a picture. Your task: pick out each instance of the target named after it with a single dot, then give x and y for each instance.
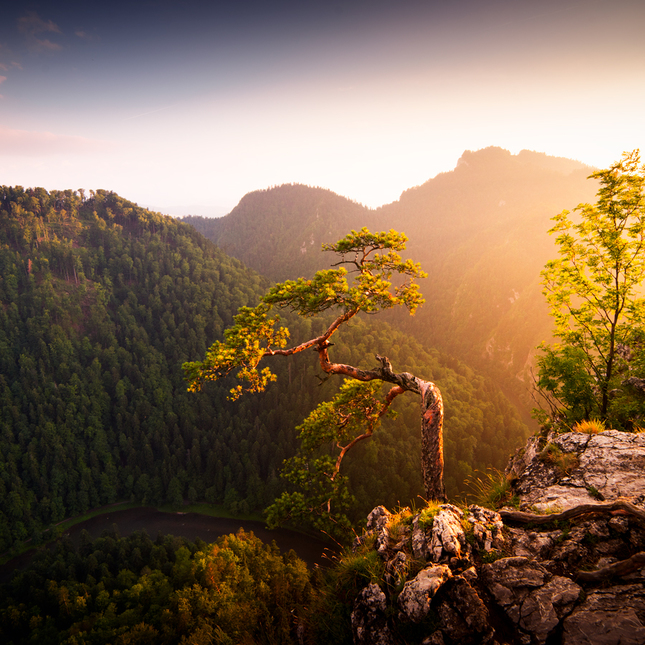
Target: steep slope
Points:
(480, 231)
(101, 303)
(279, 231)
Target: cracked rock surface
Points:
(599, 467)
(459, 576)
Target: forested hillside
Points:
(279, 232)
(480, 231)
(102, 301)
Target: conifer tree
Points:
(360, 281)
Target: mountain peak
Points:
(494, 155)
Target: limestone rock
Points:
(378, 519)
(417, 594)
(464, 617)
(534, 544)
(532, 598)
(369, 621)
(395, 569)
(448, 537)
(610, 616)
(602, 466)
(487, 527)
(421, 539)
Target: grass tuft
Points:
(590, 426)
(565, 462)
(492, 490)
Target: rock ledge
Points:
(464, 576)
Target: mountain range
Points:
(102, 302)
(480, 231)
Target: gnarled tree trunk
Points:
(432, 441)
(431, 413)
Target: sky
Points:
(185, 106)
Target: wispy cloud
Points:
(35, 144)
(83, 35)
(32, 26)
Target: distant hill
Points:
(279, 231)
(480, 231)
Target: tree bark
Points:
(431, 414)
(432, 441)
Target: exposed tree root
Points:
(619, 507)
(622, 568)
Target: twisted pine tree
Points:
(360, 280)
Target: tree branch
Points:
(391, 395)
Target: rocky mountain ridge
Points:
(575, 576)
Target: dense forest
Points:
(102, 301)
(480, 231)
(133, 590)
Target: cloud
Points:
(2, 79)
(83, 35)
(31, 26)
(36, 144)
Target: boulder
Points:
(417, 594)
(448, 537)
(369, 620)
(610, 616)
(567, 470)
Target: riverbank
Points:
(201, 521)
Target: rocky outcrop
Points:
(369, 621)
(561, 471)
(474, 575)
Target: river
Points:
(313, 551)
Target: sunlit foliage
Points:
(595, 293)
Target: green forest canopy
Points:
(102, 301)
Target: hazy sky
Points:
(186, 106)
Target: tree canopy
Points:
(362, 281)
(595, 293)
(133, 590)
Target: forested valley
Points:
(102, 302)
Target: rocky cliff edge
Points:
(565, 564)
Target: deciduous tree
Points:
(595, 292)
